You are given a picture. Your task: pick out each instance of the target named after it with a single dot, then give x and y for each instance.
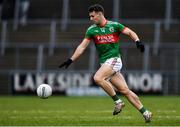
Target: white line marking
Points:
(167, 111)
(85, 117)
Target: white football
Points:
(44, 91)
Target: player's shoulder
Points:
(113, 23)
(91, 27)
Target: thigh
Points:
(104, 72)
(119, 82)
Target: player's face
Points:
(95, 17)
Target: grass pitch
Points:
(85, 111)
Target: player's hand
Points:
(66, 63)
(140, 46)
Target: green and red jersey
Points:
(106, 39)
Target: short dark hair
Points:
(96, 8)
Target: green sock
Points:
(142, 110)
(116, 99)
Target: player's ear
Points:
(99, 13)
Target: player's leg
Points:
(119, 82)
(101, 76)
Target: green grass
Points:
(89, 111)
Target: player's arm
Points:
(130, 33)
(134, 36)
(79, 50)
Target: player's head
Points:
(96, 13)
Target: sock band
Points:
(118, 101)
(115, 97)
(142, 110)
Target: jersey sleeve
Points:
(120, 27)
(88, 34)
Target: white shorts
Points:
(115, 63)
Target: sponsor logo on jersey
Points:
(107, 38)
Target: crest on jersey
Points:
(111, 29)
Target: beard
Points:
(96, 22)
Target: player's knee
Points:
(97, 79)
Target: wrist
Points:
(70, 60)
(137, 40)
